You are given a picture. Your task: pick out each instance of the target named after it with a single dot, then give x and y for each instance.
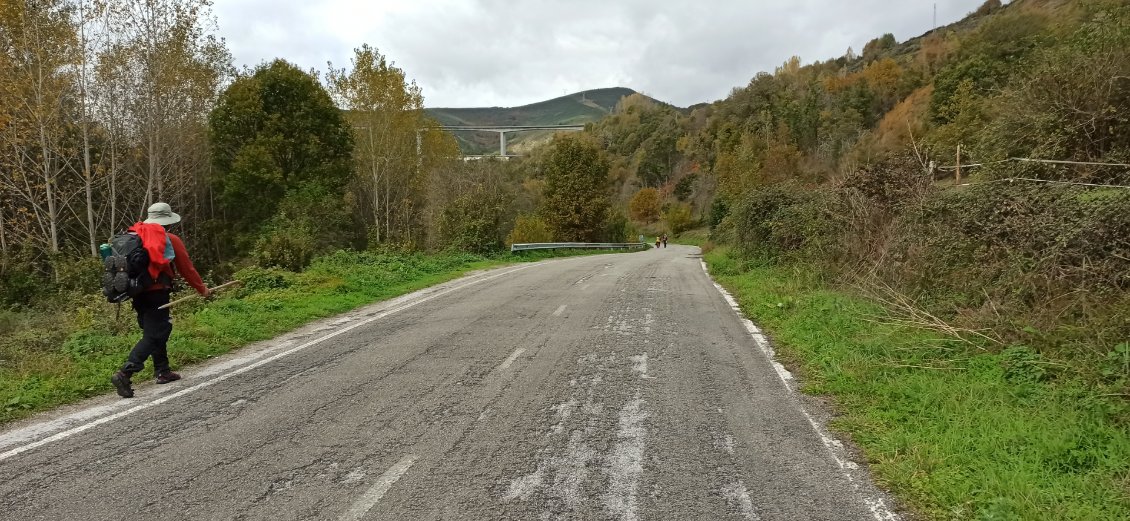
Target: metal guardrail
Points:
(576, 246)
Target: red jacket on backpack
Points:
(183, 266)
(153, 238)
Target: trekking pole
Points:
(221, 287)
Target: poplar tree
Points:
(394, 152)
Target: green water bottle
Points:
(105, 250)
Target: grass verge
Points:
(954, 431)
(46, 361)
(695, 237)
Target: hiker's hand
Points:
(208, 295)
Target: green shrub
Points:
(19, 284)
(619, 229)
(473, 221)
(527, 229)
(719, 209)
(256, 278)
(679, 218)
(781, 222)
(77, 275)
(286, 244)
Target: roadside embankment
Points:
(954, 429)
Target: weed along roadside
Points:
(270, 302)
(955, 430)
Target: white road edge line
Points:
(560, 310)
(208, 383)
(513, 356)
(369, 499)
(876, 505)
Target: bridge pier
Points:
(502, 143)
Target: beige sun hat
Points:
(163, 214)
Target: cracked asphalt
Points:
(616, 387)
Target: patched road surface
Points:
(610, 387)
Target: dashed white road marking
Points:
(562, 411)
(625, 464)
(523, 487)
(369, 499)
(354, 476)
(639, 365)
(876, 505)
(560, 310)
(219, 378)
(510, 360)
(736, 494)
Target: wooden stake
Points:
(221, 287)
(958, 166)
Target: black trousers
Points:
(156, 326)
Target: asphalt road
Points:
(615, 387)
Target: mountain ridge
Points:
(578, 108)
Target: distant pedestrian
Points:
(658, 239)
(665, 240)
(168, 259)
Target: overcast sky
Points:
(470, 53)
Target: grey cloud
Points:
(501, 52)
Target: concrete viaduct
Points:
(501, 129)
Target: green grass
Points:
(954, 431)
(696, 237)
(48, 361)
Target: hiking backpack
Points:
(126, 272)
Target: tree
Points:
(276, 132)
(81, 82)
(174, 66)
(393, 153)
(988, 8)
(885, 79)
(40, 43)
(576, 203)
(471, 204)
(1073, 102)
(644, 206)
(679, 218)
(876, 47)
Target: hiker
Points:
(657, 239)
(168, 258)
(665, 240)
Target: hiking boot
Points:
(122, 384)
(165, 377)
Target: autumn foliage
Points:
(645, 206)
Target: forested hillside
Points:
(849, 164)
(937, 231)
